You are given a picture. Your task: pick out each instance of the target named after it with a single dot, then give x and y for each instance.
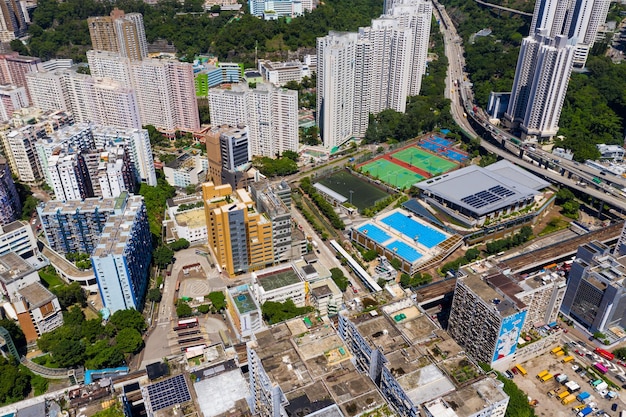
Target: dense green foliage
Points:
(218, 300)
(183, 309)
(569, 206)
(163, 256)
(155, 199)
(325, 207)
(407, 281)
(29, 202)
(275, 312)
(307, 97)
(60, 28)
(154, 295)
(69, 295)
(179, 245)
(14, 381)
(273, 167)
(339, 278)
(517, 239)
(89, 343)
(595, 108)
(16, 334)
(310, 218)
(620, 353)
(370, 255)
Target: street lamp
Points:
(351, 191)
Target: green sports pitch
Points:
(392, 174)
(424, 160)
(364, 194)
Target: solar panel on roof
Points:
(501, 191)
(169, 392)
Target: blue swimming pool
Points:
(404, 251)
(374, 233)
(423, 234)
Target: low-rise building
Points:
(186, 170)
(17, 237)
(326, 297)
(15, 274)
(280, 73)
(611, 152)
(38, 311)
(484, 398)
(279, 284)
(187, 219)
(244, 311)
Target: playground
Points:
(364, 194)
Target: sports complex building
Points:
(475, 196)
(401, 235)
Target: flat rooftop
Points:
(488, 295)
(13, 267)
(244, 301)
(230, 385)
(36, 295)
(278, 278)
(192, 218)
(470, 400)
(483, 190)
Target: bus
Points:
(605, 354)
(601, 368)
(521, 370)
(186, 324)
(542, 374)
(567, 359)
(556, 349)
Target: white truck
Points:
(561, 378)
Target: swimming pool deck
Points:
(402, 233)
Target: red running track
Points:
(410, 167)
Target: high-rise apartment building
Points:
(13, 20)
(19, 136)
(14, 67)
(541, 78)
(121, 258)
(98, 100)
(238, 234)
(75, 226)
(578, 20)
(596, 296)
(10, 206)
(138, 143)
(274, 9)
(69, 176)
(376, 69)
(483, 321)
(121, 33)
(336, 56)
(233, 141)
(12, 98)
(270, 113)
(416, 15)
(115, 173)
(267, 198)
(165, 88)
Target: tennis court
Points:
(424, 160)
(391, 173)
(455, 155)
(441, 141)
(364, 194)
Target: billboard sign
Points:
(509, 333)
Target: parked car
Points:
(509, 374)
(614, 407)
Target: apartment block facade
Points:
(270, 113)
(120, 33)
(14, 67)
(12, 98)
(239, 235)
(10, 205)
(13, 20)
(121, 258)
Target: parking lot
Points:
(552, 406)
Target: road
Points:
(462, 91)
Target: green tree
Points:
(275, 312)
(204, 308)
(68, 352)
(129, 340)
(218, 300)
(19, 340)
(91, 330)
(69, 295)
(14, 382)
(74, 316)
(183, 309)
(339, 278)
(291, 155)
(154, 295)
(163, 256)
(179, 244)
(370, 255)
(124, 319)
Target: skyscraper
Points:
(576, 19)
(14, 67)
(121, 258)
(10, 206)
(69, 176)
(11, 98)
(13, 20)
(336, 56)
(541, 78)
(120, 33)
(270, 113)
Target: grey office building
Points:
(236, 156)
(595, 295)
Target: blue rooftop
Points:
(374, 233)
(420, 233)
(404, 251)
